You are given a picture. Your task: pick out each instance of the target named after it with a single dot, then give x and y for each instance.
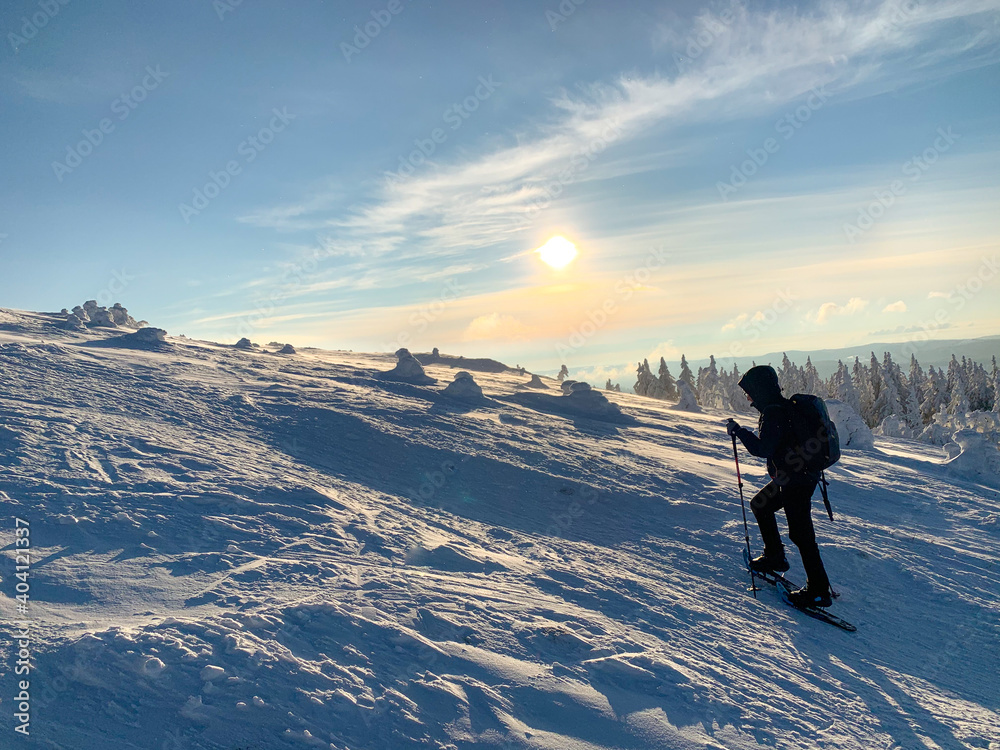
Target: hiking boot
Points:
(807, 597)
(769, 563)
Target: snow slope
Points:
(234, 549)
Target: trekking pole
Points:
(746, 528)
(823, 484)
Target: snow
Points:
(464, 387)
(338, 561)
(407, 370)
(535, 382)
(851, 428)
(688, 401)
(976, 458)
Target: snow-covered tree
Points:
(908, 402)
(958, 404)
(789, 377)
(737, 397)
(686, 375)
(887, 400)
(667, 380)
(646, 383)
(708, 386)
(868, 381)
(843, 388)
(563, 373)
(917, 377)
(812, 382)
(978, 387)
(933, 398)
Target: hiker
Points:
(791, 487)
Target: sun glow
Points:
(557, 252)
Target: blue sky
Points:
(738, 178)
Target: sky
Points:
(737, 178)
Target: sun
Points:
(557, 252)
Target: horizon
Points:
(734, 178)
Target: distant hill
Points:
(937, 353)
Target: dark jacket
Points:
(777, 441)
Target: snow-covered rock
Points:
(976, 458)
(245, 344)
(407, 370)
(936, 433)
(96, 316)
(149, 339)
(121, 317)
(150, 335)
(535, 382)
(581, 399)
(287, 349)
(944, 425)
(894, 427)
(687, 401)
(851, 428)
(464, 387)
(75, 323)
(102, 318)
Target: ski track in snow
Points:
(237, 549)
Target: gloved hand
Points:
(732, 426)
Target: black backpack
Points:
(817, 442)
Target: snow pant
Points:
(796, 499)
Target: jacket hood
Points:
(761, 384)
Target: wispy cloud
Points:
(830, 309)
(761, 61)
(496, 327)
(896, 307)
(736, 322)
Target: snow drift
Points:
(290, 552)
